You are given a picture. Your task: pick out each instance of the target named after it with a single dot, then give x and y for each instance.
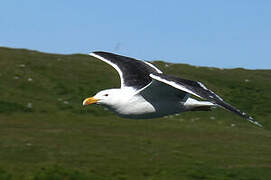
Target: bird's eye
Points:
(106, 95)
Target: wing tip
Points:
(250, 119)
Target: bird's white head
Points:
(107, 97)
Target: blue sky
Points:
(217, 33)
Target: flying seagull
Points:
(146, 92)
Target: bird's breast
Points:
(135, 107)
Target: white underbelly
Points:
(142, 109)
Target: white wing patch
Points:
(151, 65)
(204, 87)
(216, 95)
(173, 84)
(112, 64)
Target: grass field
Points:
(45, 133)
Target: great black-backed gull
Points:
(146, 92)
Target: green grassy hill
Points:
(46, 133)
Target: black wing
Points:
(198, 89)
(132, 72)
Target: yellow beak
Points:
(89, 101)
